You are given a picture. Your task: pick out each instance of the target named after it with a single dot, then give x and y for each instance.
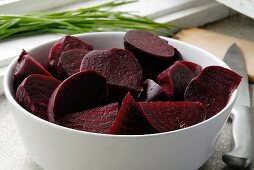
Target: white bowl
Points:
(59, 148)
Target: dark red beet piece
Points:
(69, 62)
(153, 92)
(64, 44)
(175, 79)
(168, 116)
(213, 87)
(120, 67)
(130, 119)
(97, 120)
(81, 91)
(153, 53)
(26, 66)
(34, 92)
(194, 67)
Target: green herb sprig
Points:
(93, 19)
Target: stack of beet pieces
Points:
(143, 89)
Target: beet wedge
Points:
(97, 120)
(81, 91)
(34, 92)
(168, 116)
(64, 44)
(152, 92)
(213, 87)
(153, 53)
(130, 119)
(175, 79)
(26, 66)
(69, 62)
(121, 69)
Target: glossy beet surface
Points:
(213, 87)
(98, 120)
(34, 92)
(81, 91)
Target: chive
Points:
(92, 19)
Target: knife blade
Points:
(241, 155)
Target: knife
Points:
(242, 128)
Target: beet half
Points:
(168, 116)
(81, 91)
(64, 44)
(213, 87)
(97, 120)
(69, 62)
(34, 92)
(121, 69)
(153, 53)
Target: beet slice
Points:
(64, 44)
(81, 91)
(69, 62)
(26, 66)
(175, 79)
(168, 116)
(153, 53)
(130, 119)
(194, 67)
(97, 120)
(121, 69)
(153, 92)
(213, 87)
(34, 92)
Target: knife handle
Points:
(242, 153)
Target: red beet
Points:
(153, 92)
(69, 62)
(130, 119)
(120, 67)
(98, 120)
(194, 67)
(213, 87)
(34, 92)
(168, 116)
(66, 43)
(26, 66)
(153, 53)
(175, 79)
(81, 91)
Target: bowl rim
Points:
(12, 100)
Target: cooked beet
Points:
(34, 92)
(81, 91)
(168, 116)
(130, 119)
(64, 44)
(26, 66)
(153, 92)
(98, 120)
(69, 62)
(120, 67)
(175, 79)
(153, 53)
(213, 87)
(194, 67)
